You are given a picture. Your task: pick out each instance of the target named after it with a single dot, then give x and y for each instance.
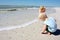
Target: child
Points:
(50, 25)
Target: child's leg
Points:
(44, 29)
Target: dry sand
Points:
(32, 31)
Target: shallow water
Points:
(12, 18)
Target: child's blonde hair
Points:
(42, 9)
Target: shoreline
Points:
(15, 27)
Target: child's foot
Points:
(44, 32)
(49, 33)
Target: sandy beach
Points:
(31, 31)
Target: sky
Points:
(31, 2)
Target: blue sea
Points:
(21, 6)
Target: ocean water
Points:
(15, 6)
(15, 18)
